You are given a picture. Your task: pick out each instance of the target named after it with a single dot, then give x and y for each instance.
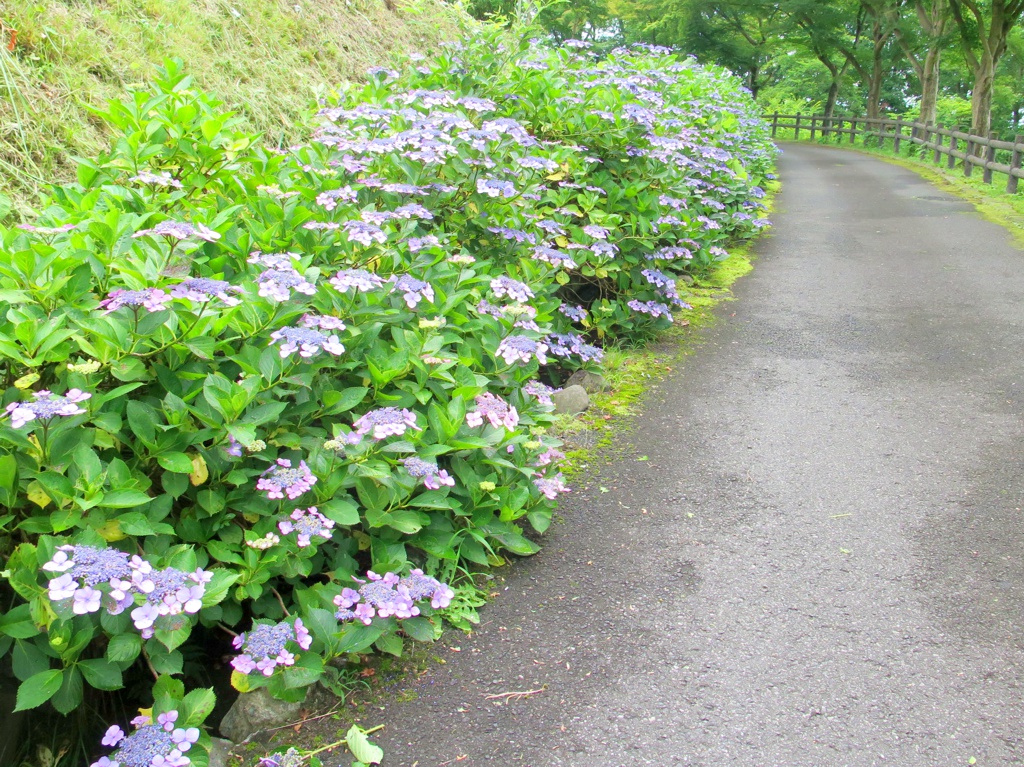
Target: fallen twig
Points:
(515, 694)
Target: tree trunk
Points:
(981, 97)
(930, 85)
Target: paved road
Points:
(821, 561)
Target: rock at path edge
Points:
(571, 400)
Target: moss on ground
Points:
(267, 59)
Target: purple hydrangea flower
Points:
(46, 406)
(551, 487)
(412, 210)
(385, 422)
(277, 284)
(179, 230)
(539, 390)
(82, 569)
(364, 233)
(602, 248)
(570, 344)
(329, 200)
(274, 260)
(282, 479)
(387, 595)
(653, 308)
(47, 231)
(575, 313)
(413, 290)
(203, 290)
(150, 745)
(551, 227)
(597, 232)
(267, 646)
(506, 286)
(521, 349)
(163, 178)
(416, 244)
(306, 523)
(150, 299)
(554, 257)
(538, 163)
(168, 592)
(356, 279)
(493, 187)
(308, 338)
(514, 235)
(432, 476)
(495, 410)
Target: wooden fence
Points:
(972, 151)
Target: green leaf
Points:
(124, 499)
(179, 463)
(101, 674)
(341, 512)
(361, 747)
(124, 647)
(421, 629)
(38, 689)
(17, 623)
(69, 696)
(196, 706)
(339, 401)
(390, 643)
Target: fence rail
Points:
(972, 151)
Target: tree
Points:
(984, 30)
(924, 49)
(884, 19)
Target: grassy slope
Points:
(267, 59)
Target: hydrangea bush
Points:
(239, 381)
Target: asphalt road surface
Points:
(820, 563)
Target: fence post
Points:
(838, 130)
(796, 127)
(853, 130)
(938, 142)
(968, 155)
(775, 124)
(813, 121)
(990, 157)
(897, 136)
(1015, 163)
(951, 160)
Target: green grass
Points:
(266, 59)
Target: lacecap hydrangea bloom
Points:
(159, 744)
(82, 570)
(283, 479)
(46, 406)
(202, 290)
(389, 595)
(150, 299)
(494, 410)
(306, 523)
(308, 337)
(168, 592)
(385, 422)
(268, 646)
(433, 477)
(521, 349)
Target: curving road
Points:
(822, 561)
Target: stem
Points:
(280, 601)
(343, 740)
(150, 664)
(222, 627)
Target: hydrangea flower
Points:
(575, 313)
(167, 592)
(284, 260)
(267, 646)
(653, 308)
(266, 542)
(551, 487)
(495, 410)
(306, 523)
(569, 344)
(386, 595)
(506, 286)
(46, 406)
(47, 231)
(515, 235)
(83, 568)
(413, 290)
(178, 230)
(521, 349)
(539, 390)
(416, 244)
(282, 479)
(277, 284)
(538, 163)
(493, 187)
(356, 279)
(554, 257)
(364, 233)
(432, 476)
(329, 200)
(203, 290)
(597, 232)
(602, 248)
(308, 338)
(150, 299)
(163, 178)
(385, 422)
(412, 210)
(150, 745)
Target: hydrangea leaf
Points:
(361, 747)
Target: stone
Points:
(255, 711)
(220, 750)
(571, 400)
(592, 382)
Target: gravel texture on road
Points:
(820, 563)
